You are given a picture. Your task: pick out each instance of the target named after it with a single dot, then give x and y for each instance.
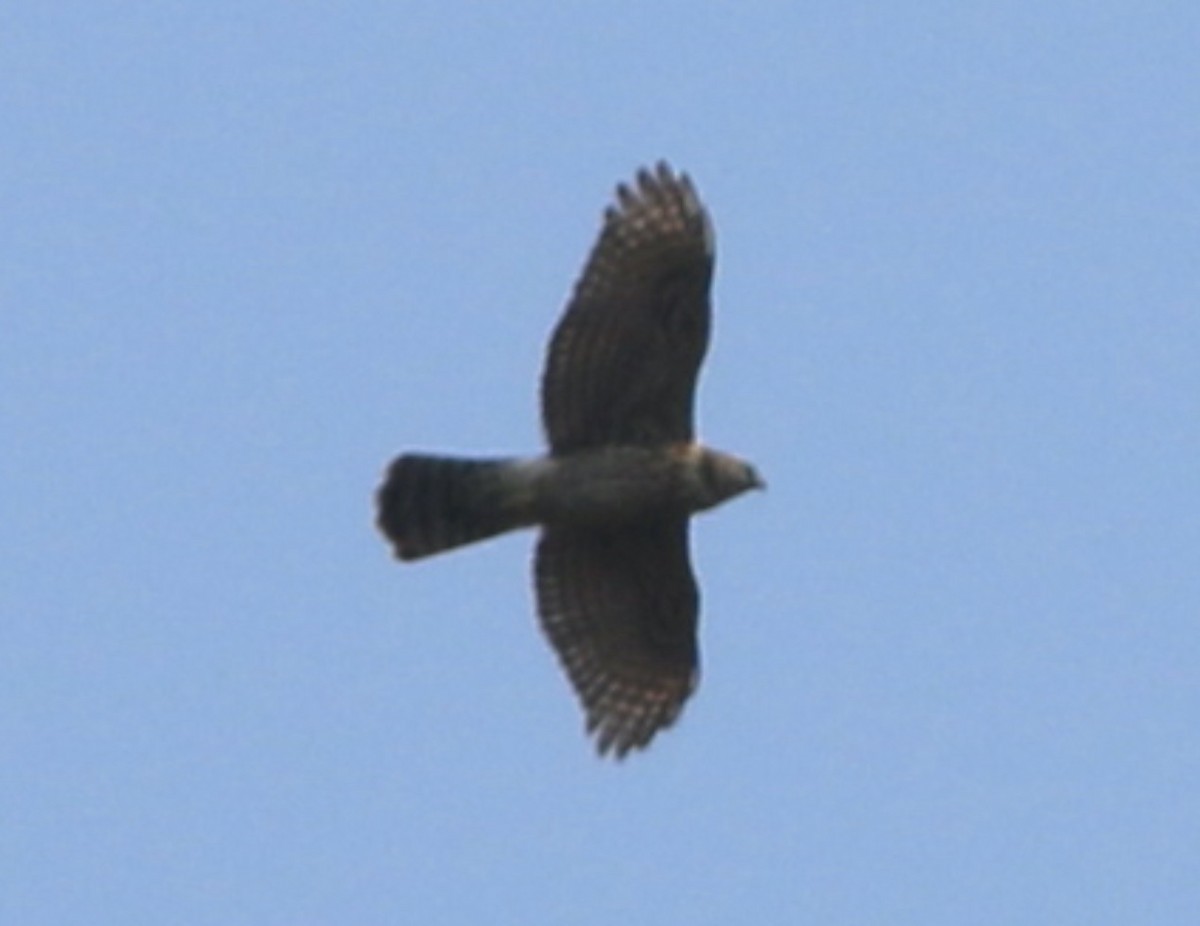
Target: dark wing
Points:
(620, 607)
(622, 364)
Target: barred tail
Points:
(429, 504)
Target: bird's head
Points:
(723, 476)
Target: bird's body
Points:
(436, 503)
(614, 495)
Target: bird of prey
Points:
(624, 474)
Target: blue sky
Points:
(951, 658)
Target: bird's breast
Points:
(612, 485)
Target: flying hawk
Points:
(623, 476)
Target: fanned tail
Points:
(428, 504)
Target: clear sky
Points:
(251, 250)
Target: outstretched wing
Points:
(619, 606)
(622, 365)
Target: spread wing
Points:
(622, 365)
(619, 606)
